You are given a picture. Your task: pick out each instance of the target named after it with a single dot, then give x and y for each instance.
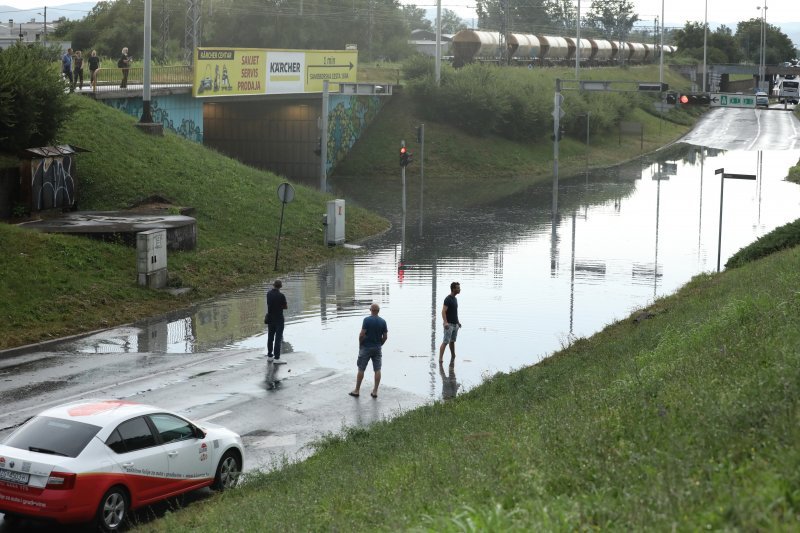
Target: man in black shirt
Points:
(451, 323)
(276, 303)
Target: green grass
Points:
(686, 420)
(56, 285)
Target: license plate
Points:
(14, 477)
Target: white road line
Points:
(323, 380)
(212, 417)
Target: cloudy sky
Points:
(676, 12)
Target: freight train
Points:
(545, 50)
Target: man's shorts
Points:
(450, 333)
(365, 354)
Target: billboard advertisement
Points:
(249, 71)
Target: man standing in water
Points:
(451, 323)
(276, 303)
(373, 335)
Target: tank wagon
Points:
(543, 50)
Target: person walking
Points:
(372, 337)
(276, 303)
(124, 63)
(94, 65)
(78, 69)
(451, 323)
(66, 68)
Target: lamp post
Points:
(705, 46)
(45, 24)
(762, 58)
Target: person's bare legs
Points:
(359, 379)
(452, 353)
(377, 382)
(441, 351)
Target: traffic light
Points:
(672, 98)
(405, 156)
(694, 99)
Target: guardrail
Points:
(110, 79)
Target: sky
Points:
(676, 12)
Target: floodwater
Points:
(623, 238)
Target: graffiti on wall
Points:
(52, 184)
(348, 118)
(184, 118)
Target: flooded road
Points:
(623, 238)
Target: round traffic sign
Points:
(285, 193)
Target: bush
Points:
(33, 104)
(786, 236)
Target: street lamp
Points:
(705, 46)
(762, 60)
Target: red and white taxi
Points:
(94, 460)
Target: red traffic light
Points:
(684, 99)
(402, 150)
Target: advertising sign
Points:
(249, 71)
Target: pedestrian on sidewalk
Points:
(124, 63)
(451, 323)
(78, 69)
(372, 337)
(94, 65)
(276, 303)
(66, 68)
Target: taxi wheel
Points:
(113, 510)
(228, 470)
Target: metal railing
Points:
(109, 79)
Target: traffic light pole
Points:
(403, 179)
(421, 140)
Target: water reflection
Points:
(624, 237)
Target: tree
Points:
(451, 22)
(562, 13)
(415, 18)
(523, 16)
(613, 18)
(33, 103)
(779, 46)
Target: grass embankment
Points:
(57, 285)
(683, 418)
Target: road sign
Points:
(285, 193)
(732, 100)
(739, 176)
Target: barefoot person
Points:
(451, 323)
(373, 335)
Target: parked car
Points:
(95, 460)
(762, 99)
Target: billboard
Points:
(248, 71)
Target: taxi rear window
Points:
(54, 436)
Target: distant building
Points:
(27, 32)
(424, 42)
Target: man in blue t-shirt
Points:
(451, 323)
(66, 68)
(372, 336)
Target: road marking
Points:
(212, 417)
(323, 380)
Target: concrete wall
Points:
(179, 113)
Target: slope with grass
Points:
(57, 285)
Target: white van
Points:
(789, 91)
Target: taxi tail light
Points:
(61, 481)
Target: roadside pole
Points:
(557, 114)
(403, 179)
(323, 135)
(421, 140)
(722, 176)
